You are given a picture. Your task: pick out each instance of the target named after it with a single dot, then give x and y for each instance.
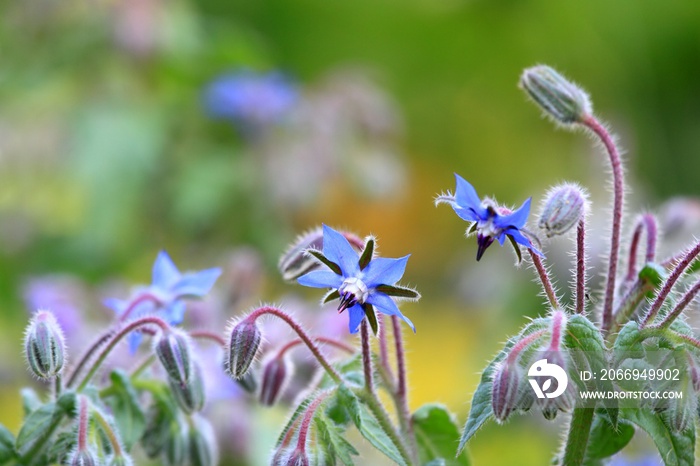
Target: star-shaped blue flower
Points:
(165, 296)
(491, 222)
(361, 282)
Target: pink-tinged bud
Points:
(560, 99)
(44, 345)
(243, 344)
(298, 457)
(295, 262)
(276, 374)
(563, 207)
(504, 393)
(173, 350)
(190, 395)
(83, 458)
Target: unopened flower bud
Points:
(243, 344)
(504, 394)
(83, 458)
(173, 350)
(274, 380)
(190, 395)
(298, 457)
(563, 207)
(295, 262)
(44, 345)
(202, 443)
(249, 381)
(562, 100)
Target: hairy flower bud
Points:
(44, 345)
(173, 351)
(561, 100)
(563, 207)
(243, 344)
(504, 393)
(190, 395)
(274, 380)
(298, 457)
(83, 458)
(295, 262)
(202, 443)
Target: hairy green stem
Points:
(579, 432)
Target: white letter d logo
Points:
(542, 369)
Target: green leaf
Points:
(324, 260)
(481, 410)
(60, 450)
(7, 445)
(126, 408)
(437, 436)
(332, 435)
(30, 401)
(653, 273)
(605, 439)
(676, 448)
(588, 353)
(368, 425)
(37, 425)
(292, 419)
(367, 253)
(629, 340)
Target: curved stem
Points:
(618, 198)
(307, 419)
(577, 441)
(329, 341)
(581, 267)
(682, 304)
(668, 285)
(544, 278)
(121, 333)
(82, 423)
(111, 434)
(134, 303)
(522, 344)
(208, 335)
(302, 334)
(629, 303)
(101, 340)
(367, 357)
(646, 222)
(403, 411)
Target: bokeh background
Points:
(114, 145)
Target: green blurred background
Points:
(107, 154)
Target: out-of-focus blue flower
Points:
(491, 222)
(361, 282)
(648, 460)
(165, 296)
(251, 100)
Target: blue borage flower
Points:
(361, 281)
(490, 221)
(167, 292)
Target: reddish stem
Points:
(670, 281)
(308, 418)
(101, 340)
(522, 344)
(581, 267)
(682, 304)
(302, 334)
(366, 357)
(618, 200)
(83, 423)
(329, 341)
(384, 347)
(208, 335)
(402, 385)
(544, 278)
(141, 298)
(647, 223)
(557, 324)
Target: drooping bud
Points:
(44, 345)
(202, 443)
(561, 100)
(173, 350)
(563, 207)
(276, 374)
(83, 458)
(295, 262)
(243, 344)
(190, 395)
(504, 393)
(298, 457)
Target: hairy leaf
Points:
(437, 436)
(676, 448)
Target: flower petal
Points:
(355, 314)
(384, 271)
(174, 314)
(337, 249)
(115, 304)
(165, 274)
(466, 197)
(321, 279)
(196, 284)
(515, 220)
(386, 305)
(134, 339)
(521, 239)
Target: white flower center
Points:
(354, 289)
